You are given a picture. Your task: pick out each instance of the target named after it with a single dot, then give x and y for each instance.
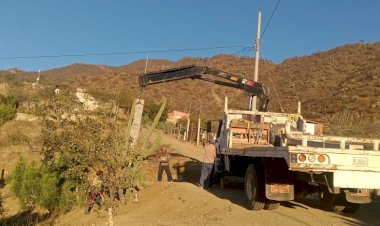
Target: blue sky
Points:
(71, 27)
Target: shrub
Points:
(75, 143)
(49, 190)
(30, 187)
(151, 110)
(18, 177)
(68, 198)
(7, 108)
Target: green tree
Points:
(76, 143)
(49, 195)
(18, 177)
(7, 108)
(151, 110)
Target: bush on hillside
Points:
(151, 110)
(349, 123)
(7, 108)
(36, 185)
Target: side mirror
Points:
(208, 126)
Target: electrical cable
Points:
(123, 53)
(270, 18)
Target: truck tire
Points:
(222, 181)
(351, 208)
(252, 189)
(271, 205)
(331, 202)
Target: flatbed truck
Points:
(283, 156)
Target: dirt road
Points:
(183, 203)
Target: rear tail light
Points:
(250, 83)
(302, 157)
(311, 158)
(321, 158)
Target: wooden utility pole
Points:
(199, 124)
(253, 101)
(188, 125)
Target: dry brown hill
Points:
(346, 78)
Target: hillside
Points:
(344, 79)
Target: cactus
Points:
(154, 124)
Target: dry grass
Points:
(14, 136)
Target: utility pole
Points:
(253, 101)
(146, 62)
(38, 77)
(188, 125)
(199, 124)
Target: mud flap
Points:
(359, 196)
(279, 181)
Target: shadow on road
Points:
(186, 169)
(27, 217)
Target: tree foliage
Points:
(7, 108)
(76, 143)
(151, 109)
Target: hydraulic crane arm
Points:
(197, 72)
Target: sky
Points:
(118, 32)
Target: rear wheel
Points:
(271, 205)
(351, 208)
(222, 181)
(252, 189)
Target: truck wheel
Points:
(331, 202)
(351, 208)
(271, 205)
(222, 181)
(252, 189)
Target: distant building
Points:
(86, 99)
(56, 90)
(174, 116)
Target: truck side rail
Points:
(331, 141)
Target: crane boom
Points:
(197, 72)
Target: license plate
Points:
(360, 161)
(280, 188)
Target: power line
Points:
(244, 51)
(123, 53)
(270, 18)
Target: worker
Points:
(208, 161)
(203, 138)
(164, 158)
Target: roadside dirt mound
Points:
(176, 203)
